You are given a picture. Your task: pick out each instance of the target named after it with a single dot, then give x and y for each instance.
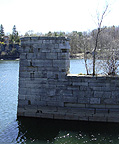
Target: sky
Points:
(56, 15)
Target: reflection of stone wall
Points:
(46, 89)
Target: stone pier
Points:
(47, 90)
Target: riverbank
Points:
(77, 56)
(73, 56)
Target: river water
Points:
(43, 131)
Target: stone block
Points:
(23, 91)
(25, 63)
(64, 45)
(55, 51)
(94, 100)
(31, 107)
(78, 93)
(26, 49)
(51, 92)
(102, 94)
(41, 103)
(42, 63)
(37, 45)
(98, 118)
(46, 41)
(23, 56)
(110, 101)
(24, 74)
(59, 116)
(86, 94)
(32, 85)
(62, 110)
(20, 113)
(45, 109)
(20, 110)
(74, 88)
(63, 56)
(95, 106)
(56, 46)
(96, 88)
(48, 98)
(83, 100)
(85, 111)
(23, 68)
(22, 84)
(34, 91)
(67, 93)
(50, 75)
(71, 117)
(96, 84)
(22, 102)
(21, 97)
(114, 110)
(111, 106)
(31, 56)
(29, 114)
(59, 63)
(83, 118)
(69, 99)
(41, 56)
(115, 94)
(113, 119)
(80, 83)
(44, 115)
(100, 114)
(32, 68)
(51, 56)
(100, 110)
(54, 103)
(74, 105)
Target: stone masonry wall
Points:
(47, 90)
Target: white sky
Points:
(55, 15)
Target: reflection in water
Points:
(45, 131)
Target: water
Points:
(42, 131)
(78, 66)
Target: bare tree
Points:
(111, 62)
(99, 30)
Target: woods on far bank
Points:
(9, 44)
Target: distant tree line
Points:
(9, 44)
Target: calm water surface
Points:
(42, 131)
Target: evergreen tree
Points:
(14, 32)
(1, 30)
(1, 33)
(14, 37)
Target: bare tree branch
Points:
(97, 36)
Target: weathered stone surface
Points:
(94, 100)
(98, 119)
(46, 91)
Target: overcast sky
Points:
(55, 15)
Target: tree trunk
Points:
(94, 64)
(94, 52)
(86, 66)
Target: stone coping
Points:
(91, 76)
